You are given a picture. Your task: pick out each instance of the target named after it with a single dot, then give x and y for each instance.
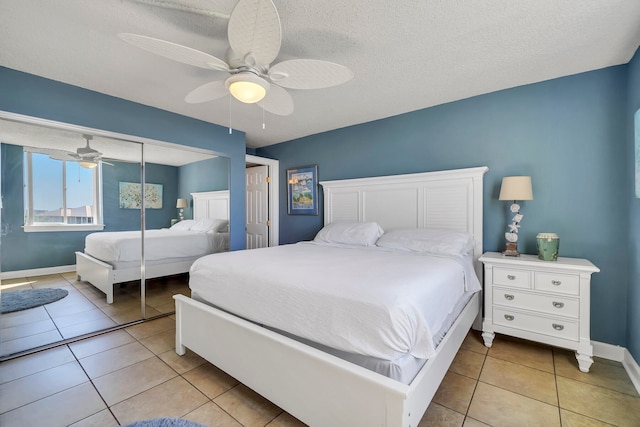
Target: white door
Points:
(257, 207)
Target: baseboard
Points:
(632, 368)
(622, 355)
(608, 351)
(6, 275)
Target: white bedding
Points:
(124, 246)
(370, 301)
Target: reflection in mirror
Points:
(55, 183)
(47, 235)
(191, 219)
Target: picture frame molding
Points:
(294, 190)
(129, 195)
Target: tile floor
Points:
(134, 373)
(82, 311)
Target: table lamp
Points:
(181, 204)
(515, 188)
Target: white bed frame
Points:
(321, 389)
(102, 275)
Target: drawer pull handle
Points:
(509, 297)
(558, 327)
(557, 304)
(556, 282)
(511, 277)
(509, 317)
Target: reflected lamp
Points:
(181, 204)
(88, 165)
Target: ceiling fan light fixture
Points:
(88, 165)
(247, 88)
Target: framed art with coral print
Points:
(302, 190)
(131, 195)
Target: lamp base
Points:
(512, 249)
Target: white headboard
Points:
(449, 199)
(211, 204)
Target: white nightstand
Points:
(544, 301)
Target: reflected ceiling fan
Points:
(255, 36)
(86, 156)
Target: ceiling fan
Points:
(255, 35)
(86, 156)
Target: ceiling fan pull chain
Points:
(230, 129)
(263, 115)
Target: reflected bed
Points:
(115, 257)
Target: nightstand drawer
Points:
(511, 277)
(565, 329)
(557, 282)
(551, 304)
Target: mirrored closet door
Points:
(186, 217)
(59, 188)
(80, 212)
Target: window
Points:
(60, 195)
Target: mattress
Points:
(403, 369)
(371, 301)
(121, 265)
(122, 247)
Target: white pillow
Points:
(350, 233)
(183, 225)
(220, 225)
(428, 240)
(210, 225)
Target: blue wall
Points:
(38, 97)
(118, 219)
(633, 307)
(206, 175)
(569, 134)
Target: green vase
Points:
(548, 244)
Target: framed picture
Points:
(131, 195)
(302, 191)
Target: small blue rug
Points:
(165, 422)
(11, 301)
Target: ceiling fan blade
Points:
(176, 52)
(309, 74)
(56, 154)
(195, 9)
(277, 101)
(207, 92)
(254, 31)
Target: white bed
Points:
(111, 258)
(319, 388)
(376, 306)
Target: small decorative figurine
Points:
(512, 235)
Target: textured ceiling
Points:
(406, 55)
(39, 136)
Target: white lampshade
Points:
(516, 188)
(247, 88)
(182, 203)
